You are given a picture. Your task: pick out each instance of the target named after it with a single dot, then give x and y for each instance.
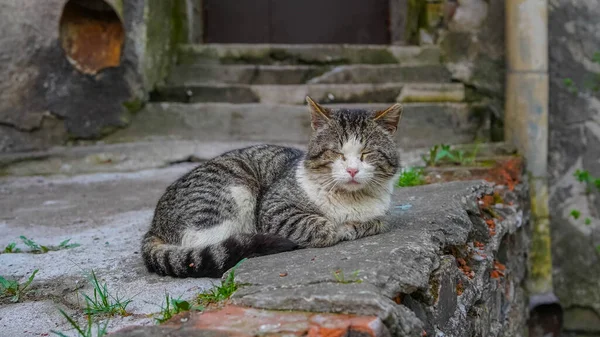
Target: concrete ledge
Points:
(306, 54)
(324, 93)
(422, 124)
(298, 74)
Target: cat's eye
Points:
(364, 155)
(332, 153)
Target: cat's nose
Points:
(352, 171)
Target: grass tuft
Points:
(221, 292)
(411, 176)
(174, 306)
(13, 288)
(445, 154)
(83, 331)
(102, 301)
(36, 248)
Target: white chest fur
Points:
(340, 208)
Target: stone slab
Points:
(160, 153)
(296, 94)
(306, 54)
(243, 74)
(422, 124)
(384, 73)
(298, 74)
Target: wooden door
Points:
(296, 21)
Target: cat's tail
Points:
(212, 261)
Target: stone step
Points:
(163, 152)
(299, 74)
(306, 54)
(325, 93)
(422, 124)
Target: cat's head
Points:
(352, 149)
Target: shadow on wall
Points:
(92, 35)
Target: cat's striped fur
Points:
(267, 199)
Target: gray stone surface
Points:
(107, 214)
(383, 73)
(306, 54)
(126, 157)
(296, 94)
(422, 124)
(412, 263)
(298, 74)
(472, 43)
(574, 143)
(243, 74)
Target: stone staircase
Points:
(220, 97)
(238, 92)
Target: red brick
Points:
(240, 321)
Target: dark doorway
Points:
(297, 21)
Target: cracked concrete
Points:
(107, 214)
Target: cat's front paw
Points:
(349, 231)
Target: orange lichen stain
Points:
(398, 298)
(499, 266)
(494, 274)
(460, 289)
(487, 201)
(506, 172)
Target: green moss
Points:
(165, 27)
(498, 198)
(540, 257)
(416, 18)
(434, 288)
(133, 105)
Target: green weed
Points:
(83, 331)
(103, 302)
(13, 288)
(445, 154)
(11, 248)
(587, 221)
(570, 85)
(174, 306)
(340, 278)
(575, 214)
(221, 292)
(41, 249)
(583, 176)
(411, 177)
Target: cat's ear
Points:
(319, 115)
(390, 117)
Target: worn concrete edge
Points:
(110, 157)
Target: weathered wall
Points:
(575, 144)
(44, 100)
(471, 36)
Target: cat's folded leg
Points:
(355, 230)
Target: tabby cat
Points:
(267, 199)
